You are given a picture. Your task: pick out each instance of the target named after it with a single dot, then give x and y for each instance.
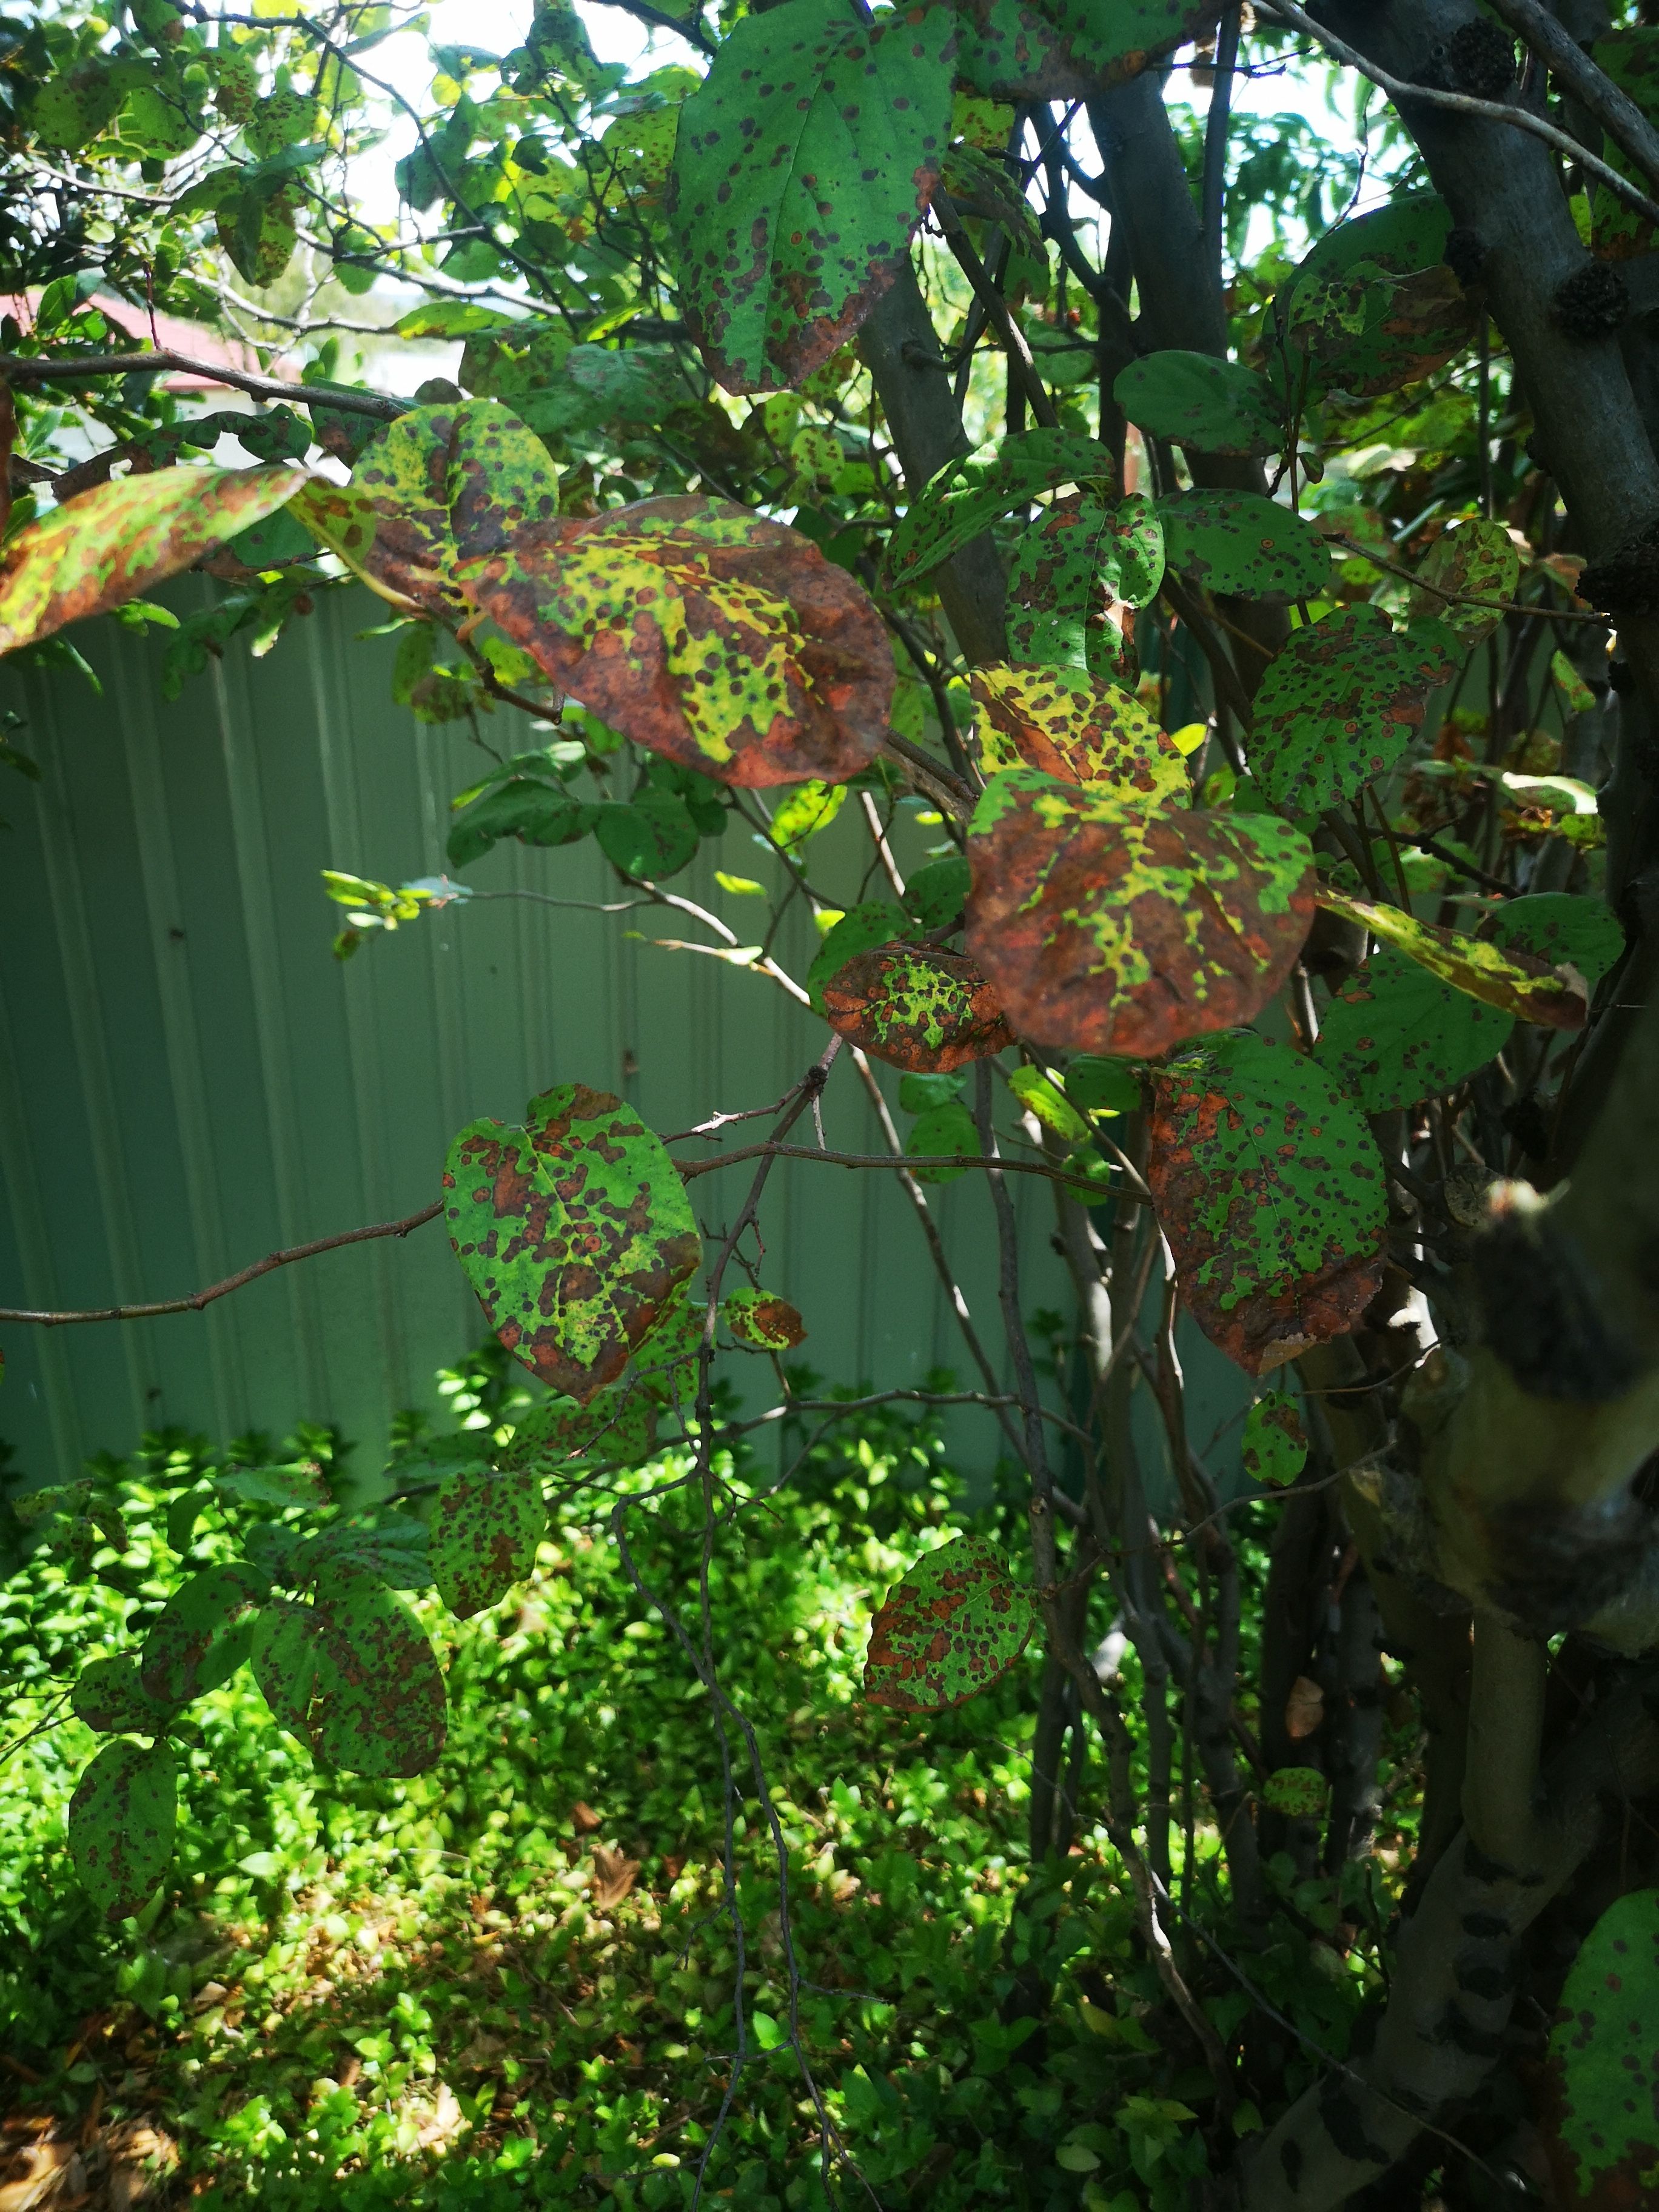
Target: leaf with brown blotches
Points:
(948, 1630)
(1107, 927)
(1079, 729)
(916, 1007)
(1513, 981)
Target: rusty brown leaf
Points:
(614, 1877)
(1304, 1708)
(917, 1008)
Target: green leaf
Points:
(1407, 325)
(618, 1424)
(757, 1317)
(1394, 1033)
(1515, 983)
(485, 1528)
(1271, 1191)
(1208, 406)
(705, 633)
(353, 1676)
(575, 1231)
(809, 808)
(918, 1093)
(203, 1633)
(1477, 560)
(73, 107)
(1074, 728)
(1275, 1445)
(393, 1551)
(947, 1631)
(534, 811)
(653, 836)
(1025, 50)
(300, 1484)
(874, 922)
(1604, 2056)
(938, 1131)
(632, 384)
(117, 539)
(1298, 1792)
(108, 1696)
(969, 495)
(1565, 928)
(917, 1008)
(802, 165)
(934, 895)
(1104, 927)
(1340, 703)
(1631, 58)
(1102, 1086)
(1080, 555)
(121, 1820)
(1052, 1107)
(1237, 542)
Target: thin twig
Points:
(28, 368)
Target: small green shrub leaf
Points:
(954, 1623)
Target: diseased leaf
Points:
(954, 1623)
(666, 1363)
(574, 1230)
(1019, 50)
(121, 1821)
(1339, 704)
(1104, 927)
(1208, 406)
(1565, 928)
(1275, 1445)
(1410, 315)
(1631, 58)
(917, 1008)
(1239, 543)
(809, 808)
(301, 1484)
(757, 1317)
(108, 1696)
(802, 164)
(1513, 982)
(203, 1633)
(934, 894)
(1604, 2060)
(718, 639)
(116, 540)
(1300, 1793)
(352, 1675)
(1078, 556)
(1080, 731)
(938, 1131)
(1394, 1033)
(393, 1551)
(1475, 559)
(485, 1528)
(874, 922)
(969, 495)
(1271, 1191)
(617, 1424)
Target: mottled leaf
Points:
(203, 1633)
(1104, 927)
(969, 495)
(1565, 928)
(666, 1361)
(947, 1631)
(1068, 49)
(1412, 322)
(719, 639)
(1080, 731)
(1239, 543)
(1340, 702)
(353, 1676)
(116, 540)
(618, 1424)
(108, 1696)
(574, 1230)
(938, 1131)
(874, 922)
(1075, 559)
(757, 1317)
(1275, 1445)
(1299, 1793)
(809, 808)
(1271, 1191)
(485, 1528)
(1477, 561)
(1604, 2060)
(802, 165)
(917, 1008)
(1394, 1033)
(1208, 406)
(394, 1551)
(121, 1820)
(1513, 981)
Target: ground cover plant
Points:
(1244, 561)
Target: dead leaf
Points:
(1304, 1708)
(585, 1819)
(614, 1877)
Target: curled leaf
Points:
(1513, 982)
(1107, 928)
(916, 1007)
(1476, 561)
(757, 1317)
(948, 1630)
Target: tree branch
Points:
(30, 368)
(1594, 90)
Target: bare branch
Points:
(30, 368)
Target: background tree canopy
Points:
(1212, 577)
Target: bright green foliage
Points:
(1039, 48)
(1549, 996)
(1080, 730)
(1404, 313)
(1563, 927)
(1237, 542)
(1394, 1033)
(807, 809)
(759, 1318)
(1300, 1793)
(1340, 703)
(803, 163)
(524, 798)
(120, 1824)
(1275, 1445)
(119, 538)
(300, 1484)
(353, 1676)
(574, 1230)
(968, 495)
(934, 894)
(948, 1630)
(483, 1536)
(1208, 406)
(205, 1632)
(1604, 2055)
(1473, 560)
(1271, 1194)
(938, 1131)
